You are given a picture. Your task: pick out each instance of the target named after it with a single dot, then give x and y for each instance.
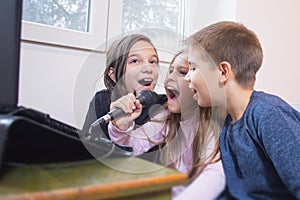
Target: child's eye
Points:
(183, 72)
(153, 62)
(134, 61)
(192, 67)
(170, 71)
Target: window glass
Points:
(151, 13)
(70, 23)
(69, 14)
(162, 20)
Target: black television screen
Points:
(10, 21)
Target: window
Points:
(159, 13)
(88, 24)
(162, 20)
(59, 13)
(73, 23)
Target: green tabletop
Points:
(113, 178)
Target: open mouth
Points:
(146, 81)
(172, 92)
(193, 90)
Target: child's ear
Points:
(224, 71)
(111, 74)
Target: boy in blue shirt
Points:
(260, 140)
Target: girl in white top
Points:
(186, 135)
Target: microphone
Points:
(146, 98)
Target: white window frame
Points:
(92, 40)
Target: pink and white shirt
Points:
(207, 186)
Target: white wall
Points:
(61, 81)
(201, 13)
(49, 79)
(277, 24)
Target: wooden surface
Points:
(127, 178)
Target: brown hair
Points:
(116, 59)
(234, 43)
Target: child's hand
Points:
(131, 106)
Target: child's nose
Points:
(187, 77)
(171, 76)
(147, 68)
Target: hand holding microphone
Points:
(125, 110)
(128, 104)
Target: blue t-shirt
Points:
(261, 151)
